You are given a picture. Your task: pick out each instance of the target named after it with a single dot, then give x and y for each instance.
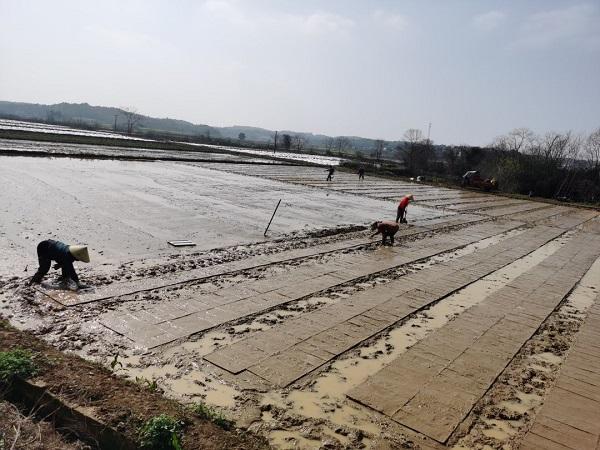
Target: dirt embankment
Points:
(26, 432)
(122, 405)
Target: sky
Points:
(474, 69)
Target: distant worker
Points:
(330, 171)
(64, 255)
(361, 173)
(387, 228)
(401, 216)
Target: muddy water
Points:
(125, 210)
(7, 124)
(189, 384)
(315, 159)
(186, 378)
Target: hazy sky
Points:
(475, 69)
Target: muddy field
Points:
(315, 336)
(129, 210)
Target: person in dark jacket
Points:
(387, 228)
(361, 173)
(64, 255)
(330, 172)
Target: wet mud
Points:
(220, 211)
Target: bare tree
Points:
(557, 148)
(329, 144)
(535, 162)
(287, 141)
(342, 144)
(414, 153)
(413, 136)
(132, 117)
(378, 149)
(518, 140)
(299, 142)
(592, 151)
(451, 155)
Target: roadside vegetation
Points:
(16, 363)
(206, 412)
(161, 432)
(136, 413)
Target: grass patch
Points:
(151, 385)
(206, 412)
(16, 363)
(161, 433)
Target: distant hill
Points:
(102, 117)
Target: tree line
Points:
(552, 165)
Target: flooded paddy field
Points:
(263, 152)
(127, 210)
(23, 147)
(317, 336)
(9, 124)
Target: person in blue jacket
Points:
(64, 255)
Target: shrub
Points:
(16, 363)
(161, 433)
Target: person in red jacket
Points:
(401, 215)
(387, 228)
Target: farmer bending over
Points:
(401, 216)
(64, 255)
(386, 228)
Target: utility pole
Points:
(428, 132)
(115, 127)
(275, 143)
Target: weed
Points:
(16, 363)
(151, 385)
(206, 412)
(161, 433)
(115, 362)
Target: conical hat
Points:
(80, 252)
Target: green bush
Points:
(16, 363)
(161, 433)
(206, 412)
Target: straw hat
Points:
(412, 197)
(80, 253)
